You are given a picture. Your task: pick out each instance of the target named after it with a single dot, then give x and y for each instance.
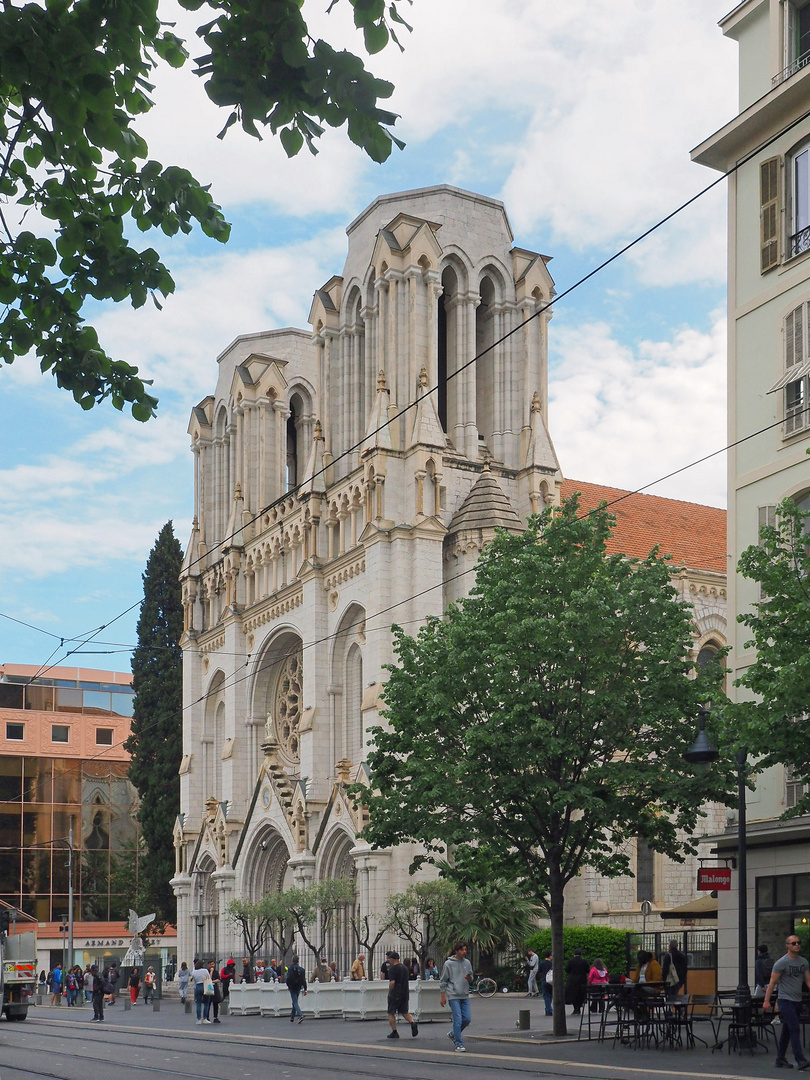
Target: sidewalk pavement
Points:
(493, 1034)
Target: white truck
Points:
(18, 973)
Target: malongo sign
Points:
(714, 878)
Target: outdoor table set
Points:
(643, 1016)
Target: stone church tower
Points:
(336, 494)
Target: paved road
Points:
(62, 1044)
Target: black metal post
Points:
(743, 988)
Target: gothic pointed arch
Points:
(337, 862)
(278, 693)
(212, 736)
(347, 735)
(267, 864)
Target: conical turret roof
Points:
(486, 507)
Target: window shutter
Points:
(767, 517)
(769, 213)
(794, 337)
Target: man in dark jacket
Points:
(576, 982)
(98, 994)
(673, 970)
(763, 967)
(296, 983)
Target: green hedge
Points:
(594, 941)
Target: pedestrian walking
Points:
(455, 981)
(134, 985)
(88, 984)
(546, 974)
(98, 994)
(115, 976)
(398, 994)
(182, 982)
(532, 969)
(212, 993)
(199, 977)
(149, 982)
(792, 973)
(296, 984)
(358, 969)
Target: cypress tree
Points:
(156, 741)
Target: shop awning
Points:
(705, 907)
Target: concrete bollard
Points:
(187, 1007)
(524, 1019)
(155, 1005)
(224, 1007)
(127, 1003)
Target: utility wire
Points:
(566, 292)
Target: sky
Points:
(579, 116)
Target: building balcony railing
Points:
(799, 242)
(791, 69)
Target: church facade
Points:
(335, 494)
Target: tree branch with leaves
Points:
(76, 78)
(540, 725)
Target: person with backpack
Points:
(55, 985)
(296, 984)
(546, 972)
(98, 994)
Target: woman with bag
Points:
(212, 992)
(199, 977)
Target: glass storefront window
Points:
(783, 908)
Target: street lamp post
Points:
(704, 752)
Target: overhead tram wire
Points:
(237, 678)
(545, 307)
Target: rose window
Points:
(288, 705)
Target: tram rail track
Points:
(296, 1057)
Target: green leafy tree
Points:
(541, 724)
(75, 79)
(496, 916)
(156, 740)
(422, 915)
(280, 922)
(316, 908)
(251, 920)
(776, 727)
(367, 939)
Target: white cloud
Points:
(219, 297)
(624, 415)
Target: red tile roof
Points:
(694, 535)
